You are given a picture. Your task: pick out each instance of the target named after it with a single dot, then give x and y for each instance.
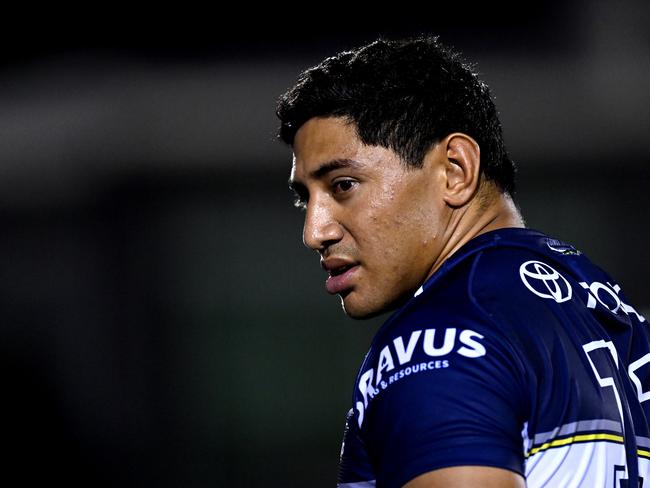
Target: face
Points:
(374, 222)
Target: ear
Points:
(462, 168)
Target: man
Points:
(510, 359)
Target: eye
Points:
(343, 186)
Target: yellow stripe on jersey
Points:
(643, 453)
(577, 438)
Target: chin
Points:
(359, 310)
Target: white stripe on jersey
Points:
(598, 464)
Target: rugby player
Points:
(509, 359)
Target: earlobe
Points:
(463, 157)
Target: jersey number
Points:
(623, 482)
(607, 382)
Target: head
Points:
(389, 140)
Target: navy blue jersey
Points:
(518, 353)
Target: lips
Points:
(341, 272)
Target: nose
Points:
(321, 228)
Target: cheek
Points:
(394, 225)
(388, 251)
(388, 234)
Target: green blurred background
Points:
(162, 323)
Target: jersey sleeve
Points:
(459, 399)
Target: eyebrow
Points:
(326, 168)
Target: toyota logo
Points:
(544, 281)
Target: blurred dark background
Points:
(162, 324)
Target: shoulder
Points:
(497, 265)
(481, 287)
(444, 337)
(472, 303)
(518, 276)
(536, 280)
(441, 386)
(509, 290)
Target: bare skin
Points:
(394, 224)
(468, 477)
(382, 229)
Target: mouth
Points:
(341, 278)
(341, 269)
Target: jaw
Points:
(353, 305)
(356, 307)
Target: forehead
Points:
(323, 140)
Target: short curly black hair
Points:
(403, 95)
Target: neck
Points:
(470, 221)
